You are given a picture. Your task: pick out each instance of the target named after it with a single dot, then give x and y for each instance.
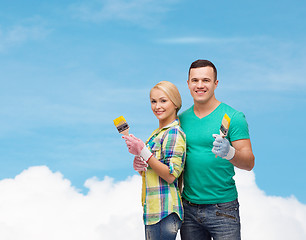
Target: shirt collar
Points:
(174, 123)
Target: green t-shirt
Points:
(207, 179)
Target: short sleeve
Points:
(239, 128)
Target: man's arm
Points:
(243, 157)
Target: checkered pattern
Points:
(160, 198)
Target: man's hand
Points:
(222, 147)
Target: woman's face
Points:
(162, 107)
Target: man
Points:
(210, 196)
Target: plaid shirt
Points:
(160, 198)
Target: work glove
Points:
(222, 147)
(139, 164)
(137, 147)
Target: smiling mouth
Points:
(159, 112)
(200, 91)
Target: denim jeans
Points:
(211, 221)
(166, 229)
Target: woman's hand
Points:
(139, 164)
(134, 144)
(137, 147)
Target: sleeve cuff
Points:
(146, 154)
(230, 154)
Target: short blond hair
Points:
(171, 91)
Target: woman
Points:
(161, 161)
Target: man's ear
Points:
(216, 83)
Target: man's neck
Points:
(201, 110)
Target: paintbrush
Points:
(121, 125)
(123, 128)
(225, 124)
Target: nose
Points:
(157, 106)
(200, 84)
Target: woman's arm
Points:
(137, 147)
(161, 169)
(173, 149)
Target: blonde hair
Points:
(171, 91)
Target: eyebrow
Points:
(206, 78)
(159, 98)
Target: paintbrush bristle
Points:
(226, 121)
(225, 124)
(121, 124)
(118, 120)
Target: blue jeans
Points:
(166, 229)
(211, 221)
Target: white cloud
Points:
(268, 217)
(39, 204)
(140, 12)
(83, 106)
(17, 34)
(265, 68)
(200, 40)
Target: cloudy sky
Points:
(68, 68)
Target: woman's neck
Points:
(164, 123)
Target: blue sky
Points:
(68, 68)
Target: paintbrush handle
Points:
(125, 132)
(222, 134)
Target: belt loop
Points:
(190, 203)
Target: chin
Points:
(201, 100)
(159, 117)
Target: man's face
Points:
(202, 84)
